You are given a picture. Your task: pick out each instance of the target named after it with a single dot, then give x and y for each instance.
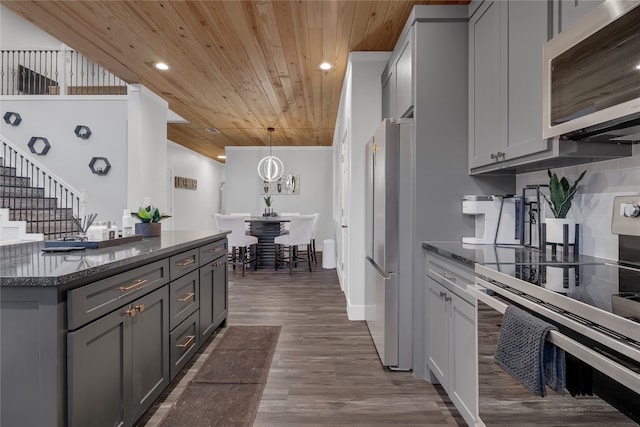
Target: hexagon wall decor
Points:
(39, 145)
(82, 131)
(99, 165)
(12, 118)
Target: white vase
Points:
(560, 279)
(555, 231)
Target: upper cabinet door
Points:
(487, 85)
(389, 95)
(404, 81)
(569, 11)
(529, 30)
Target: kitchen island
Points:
(93, 337)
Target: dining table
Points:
(266, 229)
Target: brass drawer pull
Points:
(189, 340)
(185, 262)
(215, 250)
(133, 311)
(133, 286)
(187, 297)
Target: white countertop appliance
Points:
(497, 219)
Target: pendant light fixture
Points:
(270, 168)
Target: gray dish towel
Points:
(525, 354)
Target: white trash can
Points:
(329, 253)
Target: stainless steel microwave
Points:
(591, 80)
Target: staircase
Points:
(27, 213)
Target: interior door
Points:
(344, 206)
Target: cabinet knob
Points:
(630, 210)
(135, 310)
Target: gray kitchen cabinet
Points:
(397, 80)
(389, 95)
(184, 343)
(487, 85)
(505, 84)
(119, 364)
(90, 338)
(567, 12)
(213, 296)
(450, 332)
(404, 79)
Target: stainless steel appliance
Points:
(388, 291)
(591, 77)
(596, 307)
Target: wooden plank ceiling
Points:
(237, 66)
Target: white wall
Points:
(55, 118)
(147, 175)
(17, 33)
(359, 116)
(193, 209)
(592, 206)
(313, 164)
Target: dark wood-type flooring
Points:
(325, 370)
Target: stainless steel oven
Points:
(596, 307)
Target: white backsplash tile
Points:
(592, 206)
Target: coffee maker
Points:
(497, 219)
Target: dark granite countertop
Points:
(27, 265)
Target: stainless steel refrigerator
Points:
(388, 291)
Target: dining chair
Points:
(285, 225)
(245, 215)
(299, 235)
(239, 240)
(316, 216)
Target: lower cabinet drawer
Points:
(184, 343)
(213, 251)
(183, 297)
(181, 264)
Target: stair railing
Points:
(55, 72)
(46, 202)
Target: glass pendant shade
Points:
(270, 168)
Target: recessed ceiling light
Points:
(161, 66)
(325, 66)
(222, 156)
(638, 67)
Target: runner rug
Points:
(226, 391)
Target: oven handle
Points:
(620, 373)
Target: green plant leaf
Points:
(561, 193)
(149, 214)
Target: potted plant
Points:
(561, 193)
(149, 217)
(267, 201)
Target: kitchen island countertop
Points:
(27, 265)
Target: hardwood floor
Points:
(326, 371)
